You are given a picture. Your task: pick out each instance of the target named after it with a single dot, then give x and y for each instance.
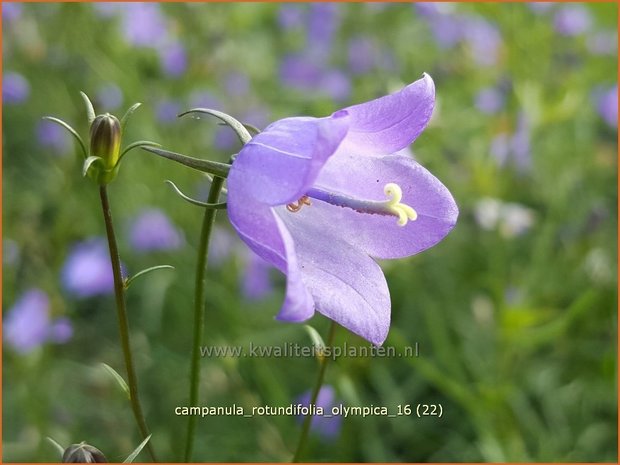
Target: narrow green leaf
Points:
(131, 457)
(58, 447)
(90, 110)
(140, 143)
(213, 167)
(130, 280)
(89, 162)
(235, 125)
(71, 130)
(212, 206)
(126, 116)
(118, 378)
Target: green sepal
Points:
(88, 163)
(316, 338)
(211, 206)
(71, 130)
(58, 447)
(234, 124)
(208, 166)
(131, 457)
(90, 110)
(131, 279)
(118, 378)
(140, 143)
(127, 114)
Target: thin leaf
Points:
(140, 143)
(131, 457)
(118, 378)
(71, 130)
(58, 447)
(126, 116)
(130, 280)
(316, 338)
(235, 125)
(212, 206)
(89, 162)
(213, 167)
(90, 110)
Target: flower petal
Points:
(380, 236)
(282, 162)
(347, 285)
(261, 229)
(389, 124)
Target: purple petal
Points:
(380, 236)
(261, 229)
(347, 285)
(279, 165)
(388, 124)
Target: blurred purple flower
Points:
(53, 137)
(299, 72)
(225, 138)
(489, 100)
(110, 96)
(290, 16)
(203, 99)
(323, 23)
(237, 84)
(539, 7)
(603, 43)
(11, 11)
(256, 280)
(514, 149)
(483, 39)
(572, 19)
(28, 325)
(10, 252)
(15, 88)
(153, 230)
(362, 55)
(328, 427)
(447, 30)
(430, 9)
(607, 105)
(167, 111)
(173, 59)
(87, 270)
(221, 246)
(336, 85)
(143, 24)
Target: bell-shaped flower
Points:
(321, 198)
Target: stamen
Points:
(393, 206)
(294, 207)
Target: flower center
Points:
(392, 206)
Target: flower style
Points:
(319, 198)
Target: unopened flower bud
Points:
(83, 453)
(105, 139)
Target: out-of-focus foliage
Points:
(514, 313)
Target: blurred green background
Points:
(514, 312)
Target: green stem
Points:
(199, 309)
(305, 429)
(123, 324)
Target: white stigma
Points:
(394, 204)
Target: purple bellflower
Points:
(87, 271)
(153, 230)
(321, 198)
(28, 324)
(326, 425)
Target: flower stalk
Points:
(199, 308)
(123, 323)
(305, 428)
